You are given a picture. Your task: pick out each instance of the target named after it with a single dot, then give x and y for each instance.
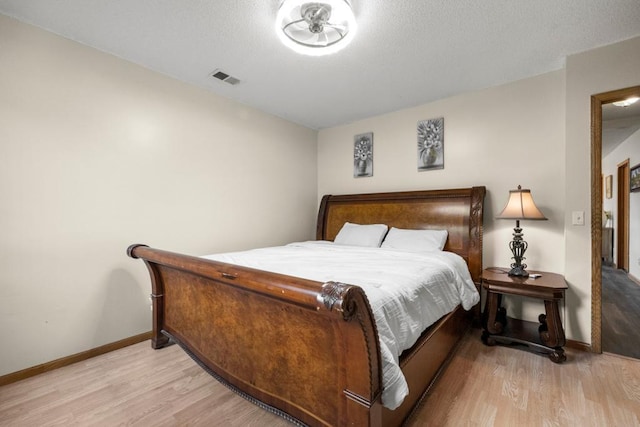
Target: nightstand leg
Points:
(551, 332)
(496, 315)
(557, 355)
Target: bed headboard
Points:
(458, 211)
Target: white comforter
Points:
(407, 291)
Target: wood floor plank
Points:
(482, 386)
(490, 385)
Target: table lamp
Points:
(519, 206)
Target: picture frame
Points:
(634, 178)
(430, 144)
(363, 155)
(608, 184)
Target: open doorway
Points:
(615, 294)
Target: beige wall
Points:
(534, 132)
(599, 70)
(500, 137)
(97, 153)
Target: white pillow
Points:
(370, 235)
(415, 240)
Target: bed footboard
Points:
(306, 348)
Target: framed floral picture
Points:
(363, 155)
(634, 178)
(431, 144)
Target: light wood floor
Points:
(482, 386)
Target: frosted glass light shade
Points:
(315, 28)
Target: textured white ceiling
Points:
(406, 53)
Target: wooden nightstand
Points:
(547, 337)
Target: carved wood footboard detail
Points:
(235, 389)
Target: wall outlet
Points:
(577, 218)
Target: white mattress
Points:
(407, 291)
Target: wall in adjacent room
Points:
(628, 149)
(96, 154)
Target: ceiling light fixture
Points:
(317, 27)
(626, 102)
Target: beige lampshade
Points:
(521, 206)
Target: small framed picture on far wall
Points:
(431, 144)
(363, 155)
(634, 178)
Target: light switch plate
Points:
(577, 218)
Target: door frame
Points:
(622, 214)
(596, 207)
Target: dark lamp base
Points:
(518, 248)
(518, 271)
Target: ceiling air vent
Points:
(221, 75)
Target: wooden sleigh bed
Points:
(306, 350)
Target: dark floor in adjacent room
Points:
(620, 313)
